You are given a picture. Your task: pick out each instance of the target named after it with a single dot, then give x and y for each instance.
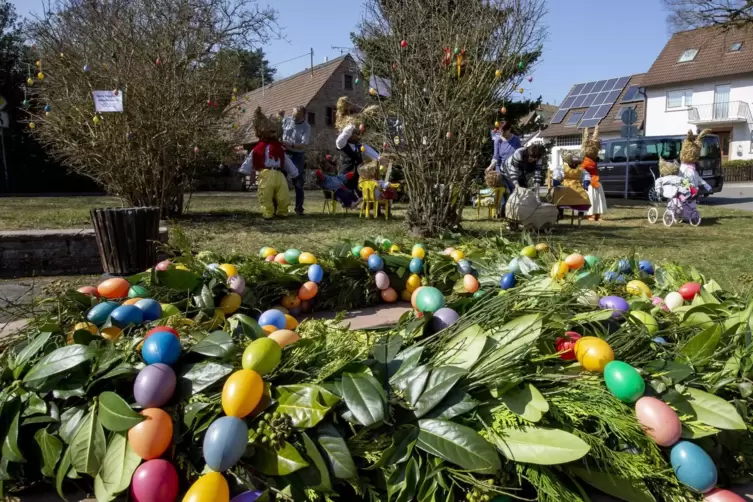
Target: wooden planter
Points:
(127, 238)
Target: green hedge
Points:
(737, 164)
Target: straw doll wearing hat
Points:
(351, 124)
(589, 148)
(269, 159)
(689, 155)
(571, 192)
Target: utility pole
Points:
(312, 62)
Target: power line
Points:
(292, 59)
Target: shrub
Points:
(737, 164)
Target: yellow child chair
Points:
(368, 189)
(330, 204)
(499, 193)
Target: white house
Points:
(703, 79)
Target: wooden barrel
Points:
(127, 238)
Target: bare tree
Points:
(162, 56)
(692, 14)
(449, 63)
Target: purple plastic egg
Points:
(443, 319)
(382, 280)
(251, 496)
(616, 303)
(154, 385)
(236, 284)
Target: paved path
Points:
(733, 196)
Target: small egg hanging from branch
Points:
(38, 63)
(196, 149)
(521, 90)
(404, 44)
(448, 135)
(530, 79)
(29, 81)
(86, 68)
(158, 61)
(96, 119)
(498, 73)
(357, 81)
(372, 91)
(32, 125)
(503, 110)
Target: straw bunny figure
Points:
(590, 147)
(689, 155)
(351, 124)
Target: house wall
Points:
(661, 122)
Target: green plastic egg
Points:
(624, 381)
(292, 255)
(592, 261)
(429, 300)
(386, 244)
(356, 251)
(137, 291)
(479, 293)
(262, 355)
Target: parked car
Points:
(644, 163)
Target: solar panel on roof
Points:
(613, 96)
(559, 116)
(577, 89)
(574, 118)
(610, 84)
(588, 88)
(600, 98)
(568, 102)
(622, 82)
(589, 99)
(588, 123)
(632, 94)
(591, 112)
(598, 86)
(603, 110)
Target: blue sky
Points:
(588, 40)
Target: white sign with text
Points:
(108, 101)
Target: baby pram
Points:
(524, 207)
(681, 202)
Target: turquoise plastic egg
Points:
(592, 261)
(316, 273)
(416, 266)
(162, 347)
(225, 443)
(273, 317)
(138, 291)
(127, 315)
(292, 255)
(99, 313)
(693, 466)
(356, 251)
(624, 381)
(429, 299)
(151, 309)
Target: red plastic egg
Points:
(566, 345)
(270, 258)
(389, 295)
(689, 290)
(280, 258)
(114, 288)
(88, 290)
(404, 44)
(719, 495)
(155, 481)
(308, 290)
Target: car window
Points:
(711, 148)
(654, 149)
(618, 151)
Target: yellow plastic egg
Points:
(269, 328)
(541, 247)
(559, 270)
(241, 393)
(230, 303)
(638, 288)
(91, 328)
(267, 252)
(366, 252)
(291, 322)
(593, 353)
(418, 252)
(394, 249)
(112, 333)
(180, 266)
(307, 258)
(229, 269)
(413, 283)
(457, 255)
(290, 301)
(211, 487)
(406, 295)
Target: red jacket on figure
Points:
(271, 155)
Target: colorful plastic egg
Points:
(307, 259)
(127, 315)
(470, 283)
(251, 496)
(638, 288)
(541, 247)
(589, 297)
(719, 495)
(356, 251)
(624, 266)
(394, 249)
(382, 281)
(163, 265)
(180, 266)
(138, 291)
(270, 259)
(88, 290)
(155, 481)
(674, 300)
(375, 262)
(315, 273)
(211, 487)
(112, 333)
(132, 301)
(689, 290)
(272, 317)
(514, 266)
(162, 328)
(507, 281)
(693, 466)
(457, 255)
(660, 340)
(269, 329)
(292, 256)
(290, 301)
(414, 295)
(575, 261)
(389, 295)
(405, 295)
(161, 347)
(291, 322)
(262, 356)
(154, 385)
(443, 319)
(429, 299)
(151, 438)
(611, 276)
(659, 421)
(114, 288)
(624, 381)
(386, 244)
(418, 252)
(91, 328)
(241, 393)
(308, 290)
(559, 270)
(615, 303)
(101, 312)
(150, 309)
(593, 353)
(646, 267)
(413, 283)
(566, 345)
(647, 320)
(280, 258)
(284, 337)
(528, 252)
(591, 260)
(230, 303)
(365, 252)
(465, 267)
(267, 251)
(416, 266)
(229, 269)
(236, 284)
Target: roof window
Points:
(736, 47)
(688, 55)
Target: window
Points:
(312, 118)
(736, 47)
(688, 55)
(618, 117)
(574, 119)
(329, 118)
(679, 99)
(667, 149)
(348, 82)
(633, 94)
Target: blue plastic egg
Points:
(614, 277)
(693, 466)
(251, 496)
(376, 263)
(514, 266)
(507, 281)
(316, 273)
(151, 309)
(646, 267)
(273, 317)
(416, 266)
(225, 443)
(162, 347)
(465, 267)
(127, 315)
(99, 313)
(154, 385)
(660, 340)
(624, 266)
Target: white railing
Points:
(728, 111)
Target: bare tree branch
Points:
(692, 14)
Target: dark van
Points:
(644, 163)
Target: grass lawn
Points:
(225, 222)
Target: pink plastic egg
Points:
(236, 284)
(382, 280)
(659, 420)
(155, 481)
(270, 258)
(163, 265)
(719, 495)
(659, 302)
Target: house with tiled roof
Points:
(317, 88)
(703, 79)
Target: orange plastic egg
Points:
(285, 337)
(280, 258)
(151, 438)
(575, 261)
(211, 487)
(91, 328)
(290, 301)
(559, 270)
(414, 296)
(241, 393)
(389, 295)
(308, 290)
(132, 301)
(88, 290)
(269, 329)
(366, 252)
(112, 333)
(470, 283)
(116, 287)
(290, 322)
(593, 353)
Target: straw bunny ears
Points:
(590, 146)
(691, 146)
